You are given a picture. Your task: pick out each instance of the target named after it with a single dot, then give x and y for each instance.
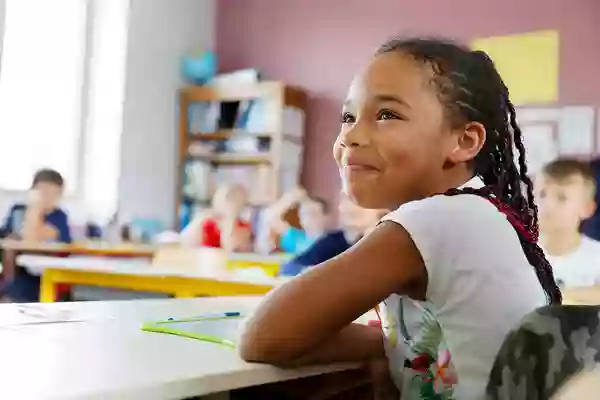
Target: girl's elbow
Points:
(252, 349)
(249, 352)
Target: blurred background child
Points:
(566, 191)
(313, 215)
(39, 220)
(354, 222)
(222, 225)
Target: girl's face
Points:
(394, 140)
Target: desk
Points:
(84, 248)
(142, 276)
(107, 356)
(582, 296)
(268, 263)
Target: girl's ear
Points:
(469, 142)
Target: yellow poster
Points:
(528, 64)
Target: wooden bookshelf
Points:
(275, 97)
(226, 135)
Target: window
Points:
(41, 90)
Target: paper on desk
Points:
(32, 314)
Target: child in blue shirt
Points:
(355, 222)
(40, 220)
(313, 219)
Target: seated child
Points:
(427, 130)
(565, 190)
(355, 222)
(222, 225)
(313, 219)
(40, 220)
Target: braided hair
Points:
(470, 89)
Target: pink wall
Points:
(320, 44)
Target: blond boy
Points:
(565, 194)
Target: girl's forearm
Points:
(354, 343)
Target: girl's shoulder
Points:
(460, 233)
(440, 210)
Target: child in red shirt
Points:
(222, 225)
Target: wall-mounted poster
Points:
(560, 131)
(528, 63)
(577, 130)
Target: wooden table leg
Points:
(48, 292)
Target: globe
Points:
(199, 69)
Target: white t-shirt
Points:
(480, 285)
(578, 268)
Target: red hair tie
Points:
(514, 219)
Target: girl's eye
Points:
(348, 118)
(385, 115)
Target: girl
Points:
(222, 226)
(427, 130)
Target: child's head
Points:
(313, 214)
(355, 218)
(421, 119)
(565, 190)
(230, 200)
(48, 185)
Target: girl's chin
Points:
(364, 196)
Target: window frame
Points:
(86, 65)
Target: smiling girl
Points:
(427, 130)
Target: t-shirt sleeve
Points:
(62, 225)
(211, 234)
(447, 231)
(14, 220)
(7, 225)
(289, 239)
(320, 251)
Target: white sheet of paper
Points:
(540, 145)
(576, 130)
(35, 314)
(527, 115)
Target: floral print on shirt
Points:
(428, 373)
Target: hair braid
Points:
(471, 89)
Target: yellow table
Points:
(141, 275)
(179, 286)
(81, 248)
